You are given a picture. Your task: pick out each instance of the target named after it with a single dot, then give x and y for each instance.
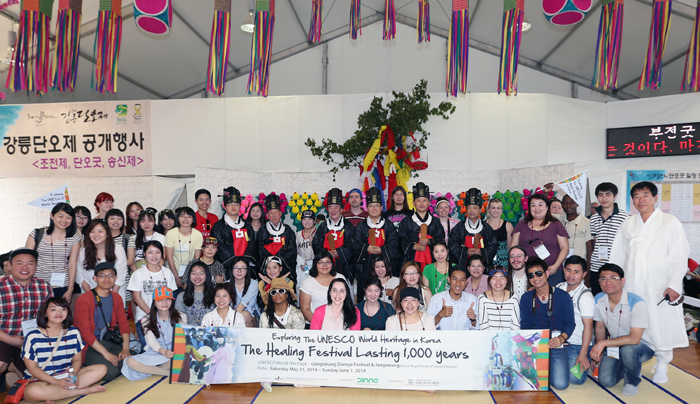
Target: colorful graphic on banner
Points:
(679, 192)
(53, 198)
(434, 360)
(92, 139)
(575, 187)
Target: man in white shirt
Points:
(453, 309)
(517, 257)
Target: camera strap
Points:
(99, 304)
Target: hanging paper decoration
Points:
(609, 44)
(219, 47)
(566, 12)
(154, 16)
(389, 20)
(423, 25)
(300, 203)
(107, 43)
(8, 3)
(658, 34)
(691, 74)
(513, 15)
(316, 21)
(29, 70)
(458, 48)
(261, 49)
(355, 18)
(67, 52)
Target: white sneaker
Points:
(630, 390)
(267, 386)
(660, 373)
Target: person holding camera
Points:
(100, 318)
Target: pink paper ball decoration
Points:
(566, 12)
(154, 16)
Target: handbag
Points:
(16, 393)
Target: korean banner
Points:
(92, 139)
(430, 360)
(679, 192)
(576, 188)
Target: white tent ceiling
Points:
(174, 66)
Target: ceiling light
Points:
(248, 25)
(526, 25)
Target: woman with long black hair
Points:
(198, 297)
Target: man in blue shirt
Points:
(549, 308)
(625, 317)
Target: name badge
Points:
(239, 234)
(277, 239)
(542, 251)
(603, 254)
(28, 326)
(57, 279)
(181, 270)
(614, 352)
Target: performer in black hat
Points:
(374, 237)
(276, 238)
(463, 242)
(342, 233)
(235, 235)
(414, 248)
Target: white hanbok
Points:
(654, 255)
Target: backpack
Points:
(38, 235)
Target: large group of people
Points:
(394, 269)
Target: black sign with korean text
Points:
(653, 141)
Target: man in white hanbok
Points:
(652, 248)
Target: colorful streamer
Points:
(458, 49)
(8, 4)
(423, 25)
(107, 43)
(658, 34)
(261, 49)
(315, 29)
(29, 70)
(67, 52)
(691, 74)
(609, 45)
(389, 20)
(219, 47)
(513, 15)
(355, 19)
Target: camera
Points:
(112, 335)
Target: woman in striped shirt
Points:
(498, 308)
(48, 364)
(58, 248)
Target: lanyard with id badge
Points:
(58, 275)
(540, 248)
(183, 249)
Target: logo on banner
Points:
(138, 118)
(367, 380)
(121, 111)
(53, 198)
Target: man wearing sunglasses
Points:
(653, 248)
(624, 315)
(549, 308)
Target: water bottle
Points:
(73, 379)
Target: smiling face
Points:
(372, 293)
(411, 276)
(105, 279)
(644, 201)
(134, 212)
(81, 220)
(256, 213)
(210, 250)
(274, 215)
(203, 202)
(338, 293)
(610, 282)
(517, 259)
(537, 281)
(606, 199)
(380, 269)
(240, 269)
(458, 281)
(273, 270)
(440, 253)
(115, 223)
(409, 305)
(495, 210)
(62, 220)
(185, 220)
(153, 255)
(280, 296)
(334, 212)
(374, 210)
(473, 212)
(324, 266)
(233, 209)
(574, 274)
(570, 207)
(355, 200)
(308, 223)
(421, 204)
(163, 304)
(498, 281)
(23, 268)
(168, 223)
(476, 269)
(538, 209)
(443, 210)
(98, 235)
(198, 275)
(56, 314)
(222, 299)
(556, 208)
(106, 206)
(147, 224)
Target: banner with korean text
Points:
(90, 139)
(430, 360)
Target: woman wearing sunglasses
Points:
(282, 313)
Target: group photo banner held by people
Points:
(431, 360)
(89, 139)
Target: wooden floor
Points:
(687, 359)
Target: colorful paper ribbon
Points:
(658, 34)
(691, 74)
(107, 43)
(423, 25)
(355, 18)
(315, 28)
(30, 68)
(609, 45)
(513, 15)
(261, 48)
(67, 52)
(219, 47)
(389, 31)
(458, 49)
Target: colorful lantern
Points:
(566, 12)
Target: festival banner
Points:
(91, 139)
(430, 360)
(53, 198)
(576, 188)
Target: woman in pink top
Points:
(477, 282)
(340, 313)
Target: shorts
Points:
(12, 354)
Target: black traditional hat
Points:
(231, 195)
(374, 195)
(420, 190)
(272, 201)
(473, 197)
(335, 197)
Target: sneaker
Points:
(660, 373)
(630, 390)
(689, 317)
(267, 386)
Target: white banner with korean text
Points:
(91, 139)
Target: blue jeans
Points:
(559, 368)
(628, 367)
(139, 333)
(573, 351)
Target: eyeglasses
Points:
(610, 279)
(325, 263)
(278, 291)
(538, 274)
(240, 269)
(517, 256)
(207, 225)
(102, 276)
(410, 273)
